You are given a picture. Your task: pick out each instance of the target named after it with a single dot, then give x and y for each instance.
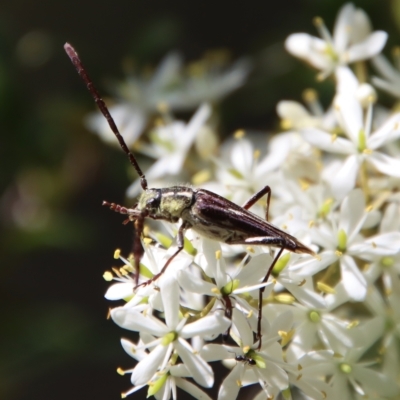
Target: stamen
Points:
(323, 30)
(396, 56)
(310, 97)
(353, 324)
(284, 298)
(239, 134)
(108, 276)
(201, 177)
(324, 288)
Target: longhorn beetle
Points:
(205, 212)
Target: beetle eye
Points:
(155, 201)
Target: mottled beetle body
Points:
(205, 212)
(212, 216)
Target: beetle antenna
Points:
(73, 55)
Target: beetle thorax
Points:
(166, 203)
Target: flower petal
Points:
(255, 270)
(306, 296)
(229, 388)
(345, 178)
(391, 219)
(210, 325)
(136, 321)
(352, 214)
(274, 375)
(167, 71)
(169, 290)
(119, 291)
(342, 27)
(201, 372)
(337, 334)
(192, 389)
(390, 87)
(375, 382)
(361, 26)
(146, 368)
(349, 110)
(185, 279)
(387, 133)
(311, 266)
(353, 280)
(242, 156)
(217, 352)
(386, 69)
(130, 120)
(326, 141)
(385, 164)
(243, 328)
(132, 351)
(370, 47)
(347, 82)
(308, 48)
(197, 121)
(385, 244)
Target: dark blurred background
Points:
(56, 239)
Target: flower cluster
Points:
(171, 85)
(330, 324)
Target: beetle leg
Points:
(260, 297)
(228, 314)
(180, 243)
(266, 241)
(265, 191)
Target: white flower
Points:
(162, 385)
(236, 288)
(351, 41)
(307, 379)
(171, 144)
(153, 260)
(295, 116)
(349, 375)
(341, 241)
(209, 80)
(391, 76)
(386, 267)
(130, 121)
(386, 308)
(320, 325)
(268, 367)
(170, 336)
(241, 172)
(139, 97)
(313, 203)
(302, 288)
(361, 145)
